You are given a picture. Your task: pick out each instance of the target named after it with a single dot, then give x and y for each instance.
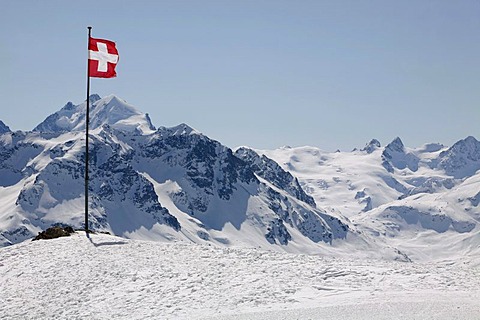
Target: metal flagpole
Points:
(87, 120)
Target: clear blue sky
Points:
(331, 74)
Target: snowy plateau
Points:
(200, 231)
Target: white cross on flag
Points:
(102, 58)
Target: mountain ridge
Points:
(168, 184)
(176, 184)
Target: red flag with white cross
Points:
(102, 58)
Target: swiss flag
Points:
(102, 58)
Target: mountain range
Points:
(176, 184)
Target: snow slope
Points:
(106, 277)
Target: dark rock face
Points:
(114, 181)
(14, 158)
(277, 232)
(313, 224)
(395, 156)
(4, 128)
(373, 145)
(210, 169)
(15, 235)
(273, 173)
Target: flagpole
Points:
(87, 120)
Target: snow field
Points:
(106, 277)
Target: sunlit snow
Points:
(105, 277)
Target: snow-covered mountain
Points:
(176, 184)
(423, 201)
(166, 184)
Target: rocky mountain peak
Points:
(373, 145)
(462, 159)
(4, 128)
(272, 172)
(94, 98)
(181, 129)
(395, 156)
(396, 145)
(468, 146)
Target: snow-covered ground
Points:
(106, 277)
